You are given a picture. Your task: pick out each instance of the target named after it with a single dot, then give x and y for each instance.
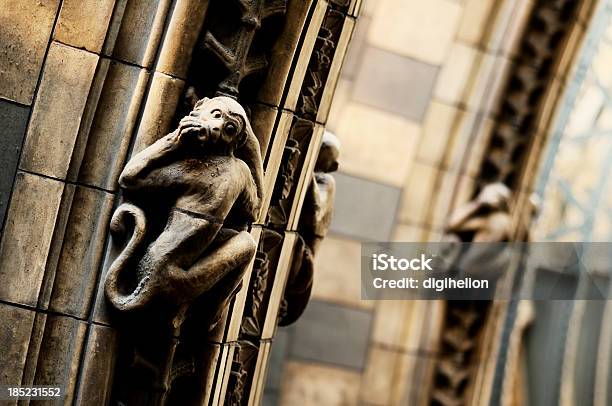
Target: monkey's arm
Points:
(250, 200)
(161, 153)
(139, 170)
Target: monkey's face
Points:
(328, 154)
(220, 123)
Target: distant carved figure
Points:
(484, 219)
(314, 223)
(209, 174)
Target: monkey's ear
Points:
(242, 138)
(200, 102)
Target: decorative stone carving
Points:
(206, 179)
(484, 219)
(266, 260)
(319, 65)
(291, 165)
(525, 93)
(314, 223)
(317, 73)
(234, 46)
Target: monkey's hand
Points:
(191, 128)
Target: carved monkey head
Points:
(496, 196)
(327, 160)
(493, 198)
(227, 121)
(223, 120)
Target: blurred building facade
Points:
(438, 99)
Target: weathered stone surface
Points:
(27, 237)
(137, 31)
(456, 76)
(156, 117)
(14, 119)
(81, 252)
(181, 36)
(342, 97)
(374, 204)
(332, 334)
(83, 23)
(15, 327)
(441, 203)
(314, 385)
(393, 324)
(36, 335)
(25, 28)
(60, 352)
(385, 377)
(440, 128)
(262, 120)
(283, 53)
(476, 15)
(112, 126)
(354, 53)
(408, 233)
(395, 83)
(418, 192)
(336, 264)
(421, 30)
(59, 107)
(377, 145)
(98, 367)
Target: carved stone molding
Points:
(524, 95)
(314, 223)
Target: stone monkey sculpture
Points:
(314, 223)
(210, 171)
(484, 219)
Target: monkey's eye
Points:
(231, 129)
(217, 114)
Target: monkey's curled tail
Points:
(139, 297)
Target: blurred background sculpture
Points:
(484, 219)
(314, 223)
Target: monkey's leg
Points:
(175, 250)
(232, 255)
